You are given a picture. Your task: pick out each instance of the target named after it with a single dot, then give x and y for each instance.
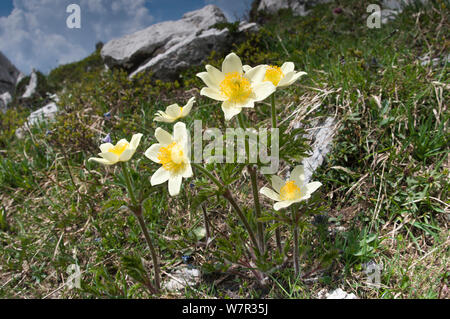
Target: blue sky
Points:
(33, 33)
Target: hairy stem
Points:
(274, 126)
(137, 210)
(206, 221)
(260, 229)
(228, 196)
(254, 181)
(296, 245)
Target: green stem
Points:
(260, 225)
(296, 250)
(141, 221)
(206, 221)
(296, 256)
(228, 196)
(137, 210)
(274, 112)
(274, 126)
(253, 176)
(208, 174)
(128, 182)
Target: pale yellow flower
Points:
(174, 112)
(280, 77)
(121, 152)
(234, 88)
(172, 153)
(291, 191)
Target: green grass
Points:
(389, 205)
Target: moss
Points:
(233, 27)
(74, 72)
(9, 122)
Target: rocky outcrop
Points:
(5, 99)
(399, 5)
(131, 50)
(169, 47)
(44, 114)
(298, 7)
(390, 8)
(8, 75)
(31, 87)
(321, 136)
(192, 50)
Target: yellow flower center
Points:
(119, 148)
(290, 191)
(274, 74)
(172, 158)
(236, 87)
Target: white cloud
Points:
(35, 34)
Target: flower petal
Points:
(256, 74)
(263, 90)
(163, 137)
(188, 107)
(175, 185)
(164, 119)
(136, 140)
(249, 104)
(161, 176)
(215, 75)
(110, 157)
(287, 67)
(208, 79)
(232, 63)
(270, 193)
(312, 187)
(213, 94)
(127, 154)
(152, 152)
(100, 160)
(173, 111)
(230, 110)
(106, 147)
(277, 182)
(283, 204)
(298, 175)
(188, 172)
(246, 68)
(180, 133)
(290, 78)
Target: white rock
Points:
(168, 48)
(44, 114)
(399, 5)
(321, 138)
(340, 294)
(245, 26)
(192, 50)
(20, 77)
(298, 6)
(387, 15)
(426, 60)
(132, 50)
(8, 75)
(5, 99)
(31, 87)
(183, 278)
